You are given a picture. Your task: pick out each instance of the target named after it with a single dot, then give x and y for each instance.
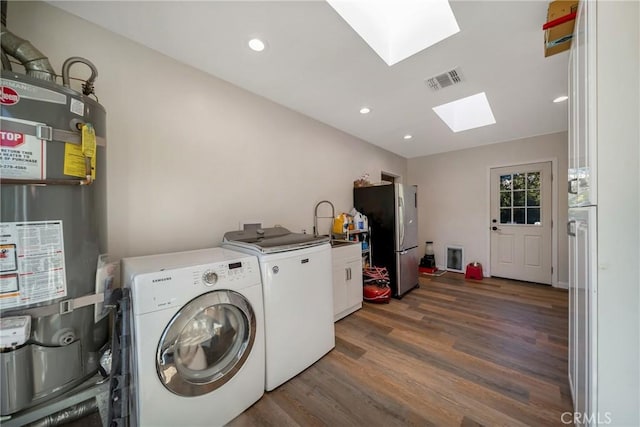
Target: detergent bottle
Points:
(340, 224)
(358, 219)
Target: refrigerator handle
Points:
(401, 221)
(569, 231)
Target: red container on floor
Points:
(376, 293)
(474, 271)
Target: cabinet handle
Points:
(569, 231)
(572, 187)
(348, 271)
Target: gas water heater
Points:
(52, 228)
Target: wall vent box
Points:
(455, 258)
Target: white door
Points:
(521, 222)
(582, 308)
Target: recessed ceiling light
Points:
(365, 110)
(561, 99)
(396, 30)
(257, 45)
(466, 113)
(408, 137)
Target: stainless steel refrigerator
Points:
(392, 211)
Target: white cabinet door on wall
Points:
(582, 117)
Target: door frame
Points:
(554, 214)
(397, 178)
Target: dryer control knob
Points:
(210, 277)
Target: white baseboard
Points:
(561, 285)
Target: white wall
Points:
(453, 194)
(190, 155)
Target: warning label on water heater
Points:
(32, 268)
(22, 156)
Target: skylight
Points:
(466, 113)
(398, 29)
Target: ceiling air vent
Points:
(446, 79)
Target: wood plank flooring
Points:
(454, 352)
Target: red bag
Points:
(377, 293)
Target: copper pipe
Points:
(86, 181)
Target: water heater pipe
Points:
(6, 64)
(68, 415)
(35, 62)
(87, 87)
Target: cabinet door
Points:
(572, 128)
(339, 288)
(354, 283)
(582, 300)
(582, 120)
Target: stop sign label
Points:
(11, 139)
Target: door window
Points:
(206, 343)
(520, 198)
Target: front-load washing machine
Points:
(298, 297)
(198, 336)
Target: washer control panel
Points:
(224, 274)
(169, 281)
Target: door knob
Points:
(494, 228)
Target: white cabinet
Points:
(347, 279)
(604, 228)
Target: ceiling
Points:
(317, 65)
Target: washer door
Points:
(206, 343)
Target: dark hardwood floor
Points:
(454, 352)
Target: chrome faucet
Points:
(315, 217)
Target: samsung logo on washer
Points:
(162, 279)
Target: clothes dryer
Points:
(298, 297)
(198, 336)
